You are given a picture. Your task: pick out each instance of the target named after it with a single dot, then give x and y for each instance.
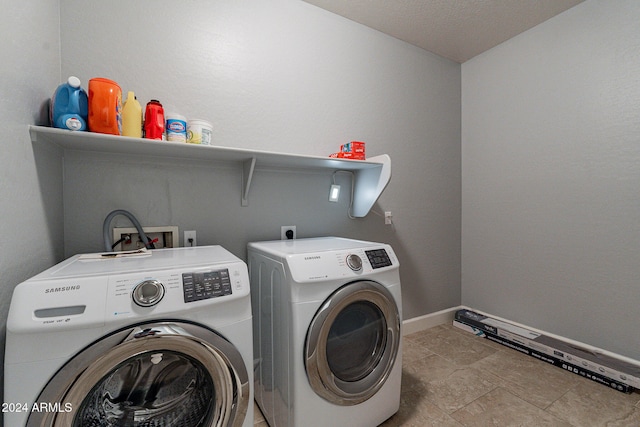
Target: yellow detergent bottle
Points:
(132, 117)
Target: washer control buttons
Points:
(148, 293)
(199, 286)
(354, 262)
(379, 258)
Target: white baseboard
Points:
(430, 320)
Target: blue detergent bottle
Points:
(69, 106)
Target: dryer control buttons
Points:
(148, 293)
(354, 262)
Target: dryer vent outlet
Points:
(287, 232)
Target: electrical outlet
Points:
(388, 218)
(162, 237)
(190, 239)
(287, 232)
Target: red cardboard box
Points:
(357, 147)
(354, 150)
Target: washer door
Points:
(352, 343)
(155, 374)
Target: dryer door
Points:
(155, 374)
(352, 343)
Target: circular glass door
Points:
(352, 343)
(151, 388)
(160, 374)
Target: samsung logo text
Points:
(62, 289)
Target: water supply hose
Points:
(107, 225)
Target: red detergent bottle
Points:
(154, 120)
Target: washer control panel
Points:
(378, 258)
(90, 290)
(199, 286)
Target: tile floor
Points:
(453, 378)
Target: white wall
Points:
(278, 75)
(551, 177)
(30, 176)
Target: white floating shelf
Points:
(371, 175)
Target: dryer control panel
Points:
(341, 264)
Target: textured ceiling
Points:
(455, 29)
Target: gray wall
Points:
(551, 177)
(550, 148)
(30, 177)
(284, 77)
(279, 75)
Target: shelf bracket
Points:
(248, 167)
(33, 134)
(369, 184)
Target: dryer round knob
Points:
(354, 262)
(148, 293)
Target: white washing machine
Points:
(327, 324)
(163, 339)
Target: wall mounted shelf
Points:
(371, 176)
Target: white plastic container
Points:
(199, 132)
(176, 127)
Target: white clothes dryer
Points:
(162, 338)
(327, 327)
